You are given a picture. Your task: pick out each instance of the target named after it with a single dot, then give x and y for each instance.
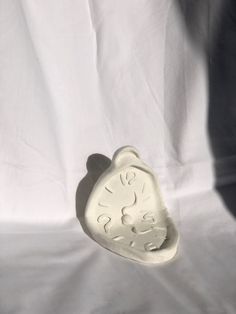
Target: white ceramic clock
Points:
(125, 212)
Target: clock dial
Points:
(125, 212)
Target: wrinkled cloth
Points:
(85, 77)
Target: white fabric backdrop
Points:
(84, 77)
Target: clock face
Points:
(126, 210)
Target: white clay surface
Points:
(125, 212)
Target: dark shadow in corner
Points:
(222, 105)
(96, 165)
(219, 47)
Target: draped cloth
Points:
(79, 79)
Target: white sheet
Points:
(84, 77)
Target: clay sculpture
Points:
(125, 212)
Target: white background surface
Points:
(85, 77)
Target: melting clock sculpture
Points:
(125, 212)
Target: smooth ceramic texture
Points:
(125, 212)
